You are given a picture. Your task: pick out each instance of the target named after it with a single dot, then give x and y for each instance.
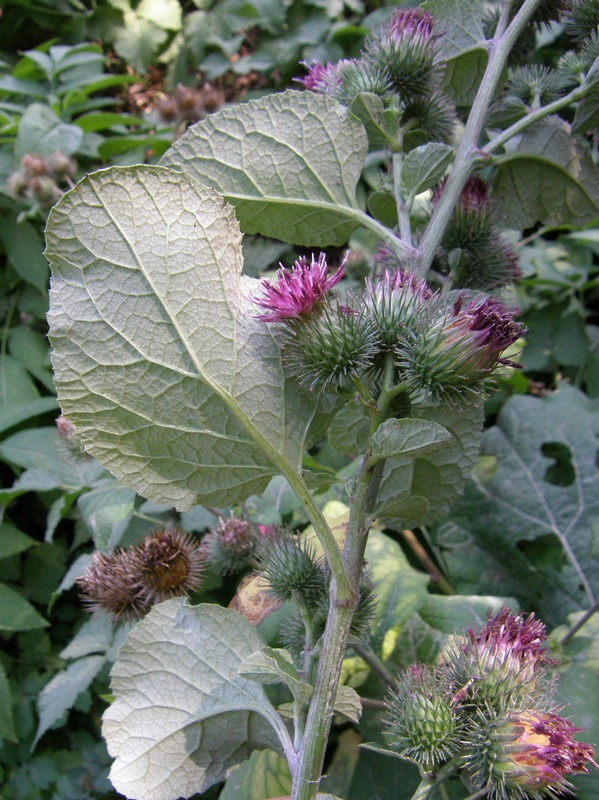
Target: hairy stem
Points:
(499, 49)
(308, 769)
(403, 209)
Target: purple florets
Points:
(411, 22)
(297, 292)
(488, 327)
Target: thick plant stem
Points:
(307, 773)
(499, 49)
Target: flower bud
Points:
(429, 118)
(457, 348)
(525, 754)
(472, 249)
(34, 165)
(326, 351)
(501, 667)
(61, 166)
(394, 303)
(290, 567)
(231, 547)
(407, 50)
(536, 85)
(581, 18)
(297, 293)
(421, 723)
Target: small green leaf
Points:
(42, 131)
(16, 613)
(11, 416)
(383, 207)
(408, 438)
(264, 775)
(60, 694)
(13, 541)
(382, 126)
(271, 665)
(586, 116)
(7, 725)
(347, 703)
(463, 75)
(439, 475)
(423, 167)
(289, 163)
(410, 508)
(185, 660)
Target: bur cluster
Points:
(489, 708)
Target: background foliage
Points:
(90, 80)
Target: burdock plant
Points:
(197, 385)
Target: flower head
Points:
(525, 754)
(230, 548)
(504, 666)
(421, 723)
(411, 22)
(111, 585)
(170, 564)
(394, 301)
(297, 292)
(457, 349)
(320, 78)
(125, 584)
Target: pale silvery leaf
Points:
(160, 363)
(183, 716)
(289, 162)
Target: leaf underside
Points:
(160, 364)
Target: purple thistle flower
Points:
(320, 78)
(529, 754)
(485, 329)
(523, 637)
(297, 292)
(411, 22)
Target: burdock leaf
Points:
(274, 665)
(182, 715)
(528, 521)
(170, 380)
(546, 177)
(424, 166)
(289, 162)
(408, 438)
(440, 475)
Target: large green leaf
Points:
(400, 589)
(160, 363)
(438, 476)
(546, 176)
(578, 691)
(42, 131)
(183, 716)
(289, 163)
(17, 613)
(533, 508)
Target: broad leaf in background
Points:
(185, 660)
(160, 363)
(538, 484)
(438, 476)
(546, 176)
(400, 589)
(289, 163)
(578, 690)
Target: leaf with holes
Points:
(170, 380)
(289, 162)
(533, 509)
